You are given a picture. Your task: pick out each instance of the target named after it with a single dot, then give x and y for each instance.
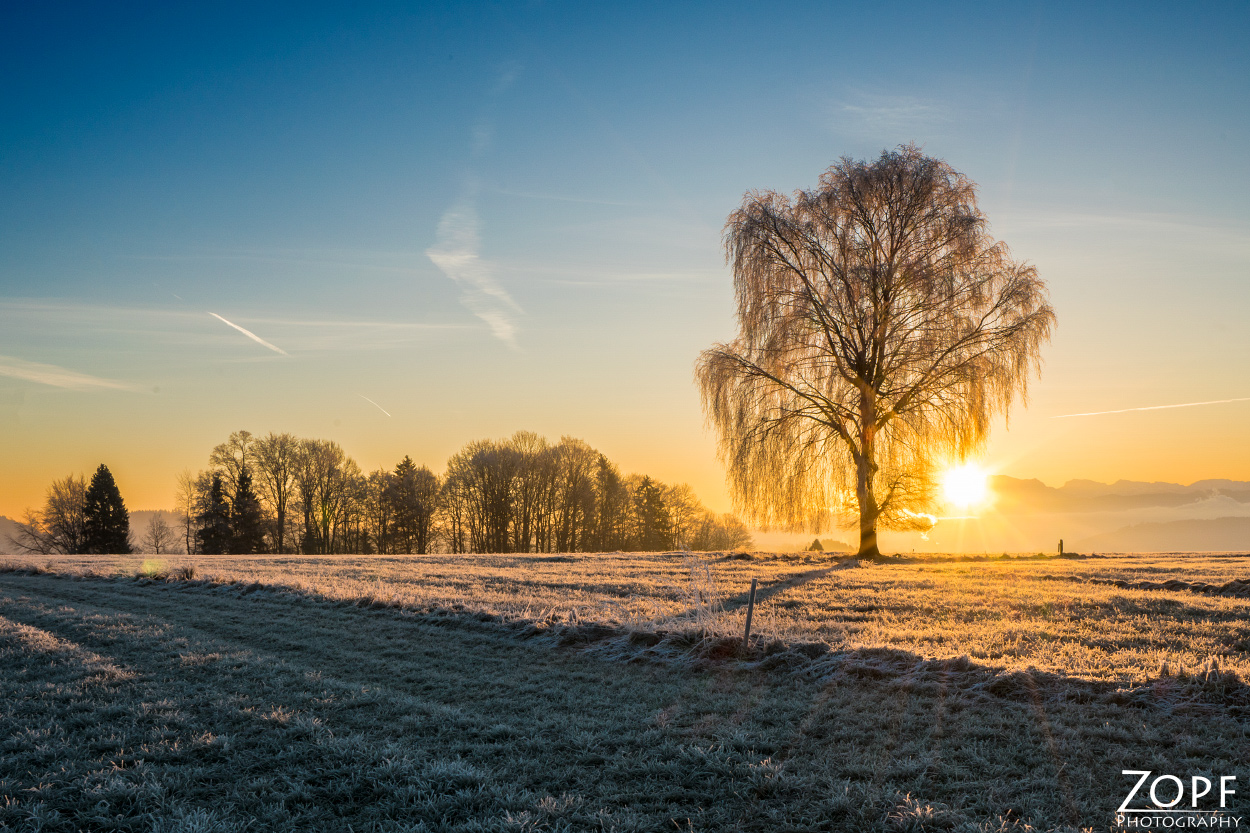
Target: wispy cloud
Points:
(892, 117)
(250, 334)
(374, 404)
(56, 377)
(457, 254)
(1154, 407)
(457, 251)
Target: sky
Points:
(405, 227)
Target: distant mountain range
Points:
(1033, 496)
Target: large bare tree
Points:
(881, 330)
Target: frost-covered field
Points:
(1058, 615)
(603, 692)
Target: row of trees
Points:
(280, 493)
(524, 494)
(78, 518)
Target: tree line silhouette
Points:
(284, 494)
(281, 493)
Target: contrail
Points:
(374, 404)
(250, 335)
(1155, 407)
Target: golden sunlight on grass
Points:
(965, 486)
(1060, 616)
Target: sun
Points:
(965, 485)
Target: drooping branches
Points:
(881, 330)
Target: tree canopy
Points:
(881, 330)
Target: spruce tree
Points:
(246, 520)
(611, 515)
(401, 492)
(413, 495)
(654, 523)
(214, 535)
(106, 523)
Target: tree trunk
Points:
(868, 513)
(865, 470)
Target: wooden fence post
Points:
(746, 637)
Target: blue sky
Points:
(488, 218)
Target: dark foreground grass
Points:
(185, 707)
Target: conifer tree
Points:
(654, 528)
(401, 493)
(214, 535)
(612, 509)
(413, 494)
(246, 519)
(106, 523)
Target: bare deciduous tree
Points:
(481, 486)
(276, 456)
(530, 456)
(572, 467)
(881, 329)
(686, 514)
(331, 491)
(379, 512)
(721, 532)
(455, 511)
(191, 500)
(231, 457)
(160, 537)
(60, 527)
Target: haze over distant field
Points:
(1126, 516)
(406, 230)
